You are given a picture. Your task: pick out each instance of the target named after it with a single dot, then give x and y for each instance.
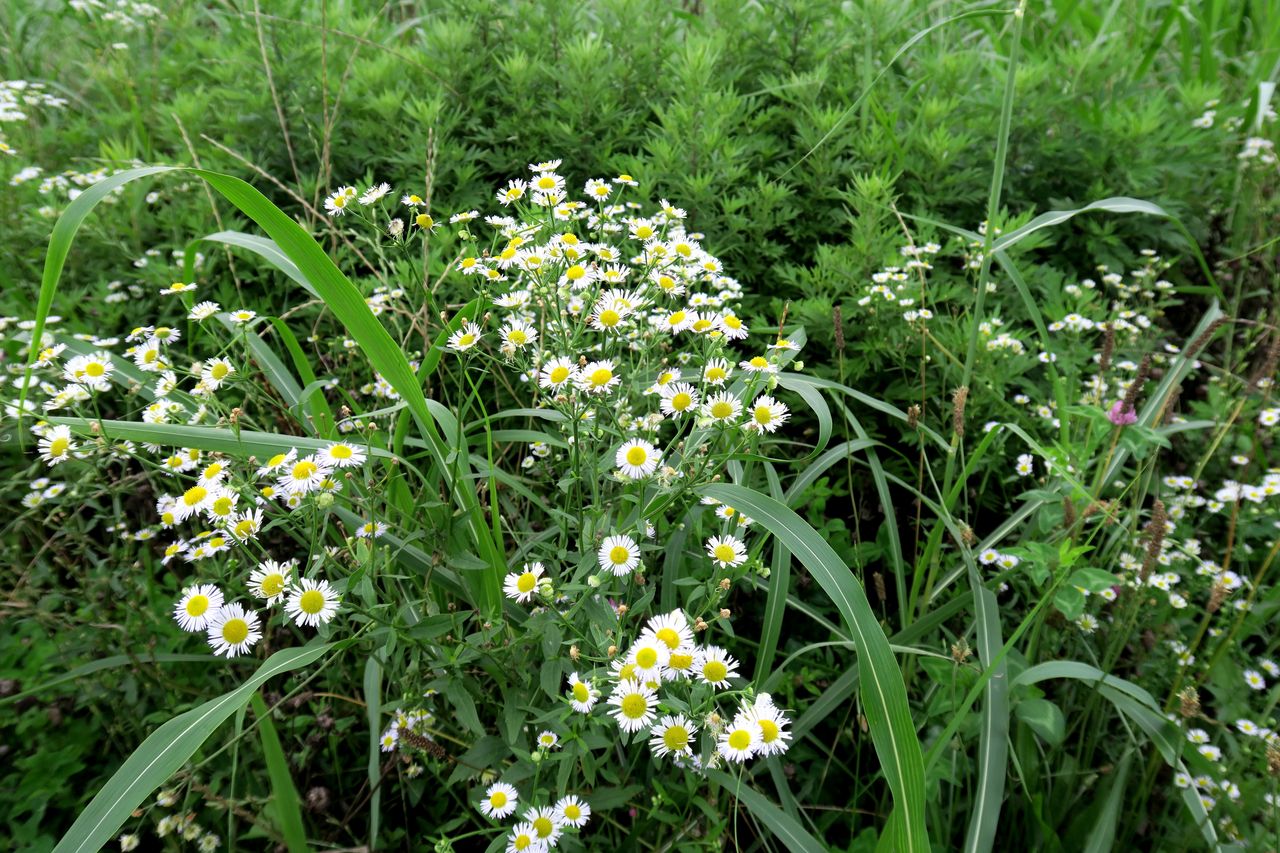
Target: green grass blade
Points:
(283, 792)
(373, 714)
(214, 439)
(884, 695)
(993, 742)
(784, 827)
(165, 751)
(1103, 835)
(265, 249)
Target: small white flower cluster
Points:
(540, 827)
(127, 14)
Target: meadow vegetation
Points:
(506, 426)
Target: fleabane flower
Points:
(648, 656)
(92, 371)
(715, 666)
(374, 194)
(215, 372)
(716, 372)
(232, 630)
(197, 605)
(767, 414)
(341, 455)
(467, 336)
(637, 459)
(582, 696)
(635, 705)
(557, 373)
(545, 826)
(598, 377)
(338, 202)
(619, 555)
(726, 551)
(758, 364)
(672, 629)
(678, 398)
(673, 735)
(524, 839)
(312, 602)
(774, 737)
(303, 476)
(55, 445)
(271, 581)
(722, 408)
(523, 585)
(499, 800)
(517, 334)
(739, 740)
(572, 811)
(732, 327)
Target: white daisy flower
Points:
(635, 705)
(619, 554)
(637, 459)
(523, 585)
(673, 735)
(232, 630)
(341, 455)
(715, 666)
(726, 551)
(467, 336)
(678, 398)
(572, 811)
(499, 800)
(272, 581)
(197, 605)
(312, 602)
(739, 740)
(582, 696)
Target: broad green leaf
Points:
(165, 751)
(1069, 601)
(283, 792)
(884, 695)
(1094, 580)
(1044, 718)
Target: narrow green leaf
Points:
(283, 792)
(884, 695)
(784, 827)
(165, 751)
(373, 714)
(1103, 834)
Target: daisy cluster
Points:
(900, 287)
(664, 687)
(540, 827)
(605, 311)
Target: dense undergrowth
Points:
(768, 470)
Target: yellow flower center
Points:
(235, 631)
(424, 220)
(637, 456)
(468, 263)
(701, 324)
(619, 555)
(680, 662)
(340, 451)
(95, 369)
(276, 460)
(575, 272)
(740, 739)
(526, 582)
(763, 415)
(634, 706)
(716, 374)
(769, 731)
(676, 738)
(559, 373)
(601, 377)
(272, 585)
(572, 812)
(498, 799)
(609, 317)
(731, 321)
(222, 506)
(150, 356)
(311, 601)
(543, 826)
(681, 401)
(340, 201)
(760, 362)
(546, 182)
(580, 692)
(59, 446)
(217, 542)
(518, 337)
(666, 282)
(466, 340)
(721, 409)
(194, 495)
(304, 470)
(627, 671)
(646, 658)
(219, 371)
(714, 671)
(197, 605)
(644, 232)
(676, 319)
(669, 637)
(725, 553)
(522, 842)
